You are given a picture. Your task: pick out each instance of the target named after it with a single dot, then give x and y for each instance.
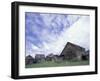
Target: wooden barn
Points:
(29, 60)
(72, 51)
(86, 55)
(49, 57)
(52, 57)
(39, 58)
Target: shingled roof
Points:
(72, 50)
(77, 47)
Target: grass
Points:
(56, 64)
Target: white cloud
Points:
(79, 32)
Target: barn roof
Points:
(29, 57)
(76, 47)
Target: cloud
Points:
(49, 33)
(79, 33)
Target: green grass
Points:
(56, 64)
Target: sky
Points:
(47, 33)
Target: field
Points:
(57, 64)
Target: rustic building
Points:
(52, 57)
(39, 58)
(57, 58)
(29, 60)
(49, 57)
(72, 51)
(86, 55)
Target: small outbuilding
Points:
(29, 60)
(53, 57)
(49, 57)
(39, 58)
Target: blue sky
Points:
(48, 33)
